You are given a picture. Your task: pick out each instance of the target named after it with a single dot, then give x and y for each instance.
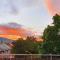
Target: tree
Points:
(51, 36)
(27, 46)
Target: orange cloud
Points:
(15, 33)
(12, 37)
(12, 33)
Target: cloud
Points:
(26, 3)
(56, 4)
(14, 6)
(53, 6)
(17, 5)
(29, 13)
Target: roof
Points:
(4, 47)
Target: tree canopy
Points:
(28, 46)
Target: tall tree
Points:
(51, 36)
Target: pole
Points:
(51, 56)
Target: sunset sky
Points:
(30, 13)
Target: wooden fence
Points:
(29, 57)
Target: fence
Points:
(29, 57)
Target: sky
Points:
(30, 13)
